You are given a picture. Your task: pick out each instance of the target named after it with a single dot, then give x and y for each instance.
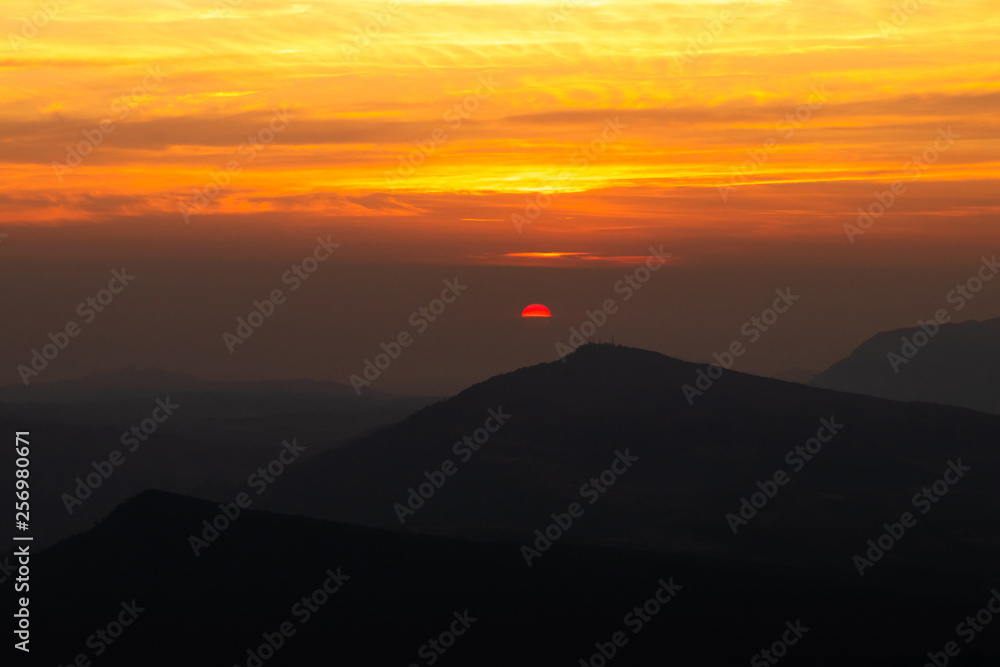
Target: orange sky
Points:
(436, 120)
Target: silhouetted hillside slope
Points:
(694, 465)
(401, 591)
(172, 432)
(958, 365)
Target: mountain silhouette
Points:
(555, 505)
(956, 365)
(217, 434)
(696, 462)
(397, 593)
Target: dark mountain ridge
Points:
(399, 592)
(696, 462)
(958, 364)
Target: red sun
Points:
(536, 310)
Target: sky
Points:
(542, 145)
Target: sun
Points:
(536, 310)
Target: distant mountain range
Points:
(958, 364)
(397, 598)
(694, 462)
(217, 435)
(556, 505)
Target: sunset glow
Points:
(557, 121)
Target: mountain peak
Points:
(956, 363)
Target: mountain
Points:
(800, 375)
(171, 432)
(285, 591)
(620, 508)
(953, 364)
(679, 471)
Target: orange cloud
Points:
(710, 96)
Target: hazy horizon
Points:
(174, 314)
